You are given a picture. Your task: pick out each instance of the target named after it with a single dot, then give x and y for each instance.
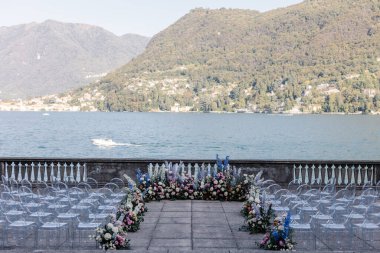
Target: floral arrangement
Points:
(127, 219)
(220, 182)
(131, 211)
(258, 215)
(111, 237)
(279, 236)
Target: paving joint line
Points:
(155, 226)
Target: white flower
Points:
(215, 182)
(214, 193)
(109, 225)
(107, 236)
(281, 227)
(115, 229)
(250, 199)
(225, 193)
(177, 189)
(211, 188)
(259, 222)
(186, 194)
(246, 181)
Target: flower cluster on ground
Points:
(221, 182)
(128, 217)
(279, 236)
(112, 236)
(258, 215)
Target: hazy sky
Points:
(145, 17)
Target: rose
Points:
(115, 229)
(109, 225)
(215, 182)
(107, 236)
(211, 188)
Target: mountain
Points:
(319, 55)
(50, 57)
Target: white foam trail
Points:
(110, 143)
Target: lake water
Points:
(190, 135)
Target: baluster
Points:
(72, 173)
(6, 171)
(306, 174)
(19, 176)
(196, 172)
(203, 170)
(319, 174)
(78, 173)
(26, 176)
(209, 170)
(84, 172)
(300, 174)
(45, 172)
(294, 172)
(59, 172)
(313, 174)
(353, 174)
(366, 181)
(39, 172)
(339, 175)
(32, 175)
(215, 169)
(326, 174)
(346, 175)
(359, 175)
(65, 179)
(372, 183)
(13, 175)
(189, 170)
(52, 175)
(333, 173)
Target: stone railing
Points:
(74, 170)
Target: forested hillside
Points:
(320, 55)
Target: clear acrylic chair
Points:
(302, 231)
(337, 235)
(52, 233)
(85, 231)
(369, 230)
(20, 232)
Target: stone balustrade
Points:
(75, 170)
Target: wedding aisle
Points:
(198, 225)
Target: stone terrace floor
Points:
(204, 226)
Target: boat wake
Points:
(109, 143)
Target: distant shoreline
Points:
(212, 112)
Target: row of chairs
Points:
(329, 218)
(56, 215)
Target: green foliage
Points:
(229, 59)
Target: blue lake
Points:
(189, 135)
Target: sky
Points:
(144, 17)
